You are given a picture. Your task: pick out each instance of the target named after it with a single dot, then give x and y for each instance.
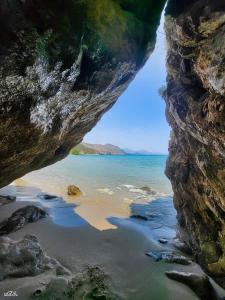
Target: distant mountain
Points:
(142, 152)
(85, 148)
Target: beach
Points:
(104, 229)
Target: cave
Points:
(63, 65)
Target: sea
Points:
(112, 186)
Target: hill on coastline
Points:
(108, 149)
(85, 148)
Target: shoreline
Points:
(118, 252)
(124, 222)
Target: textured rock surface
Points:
(73, 190)
(195, 100)
(62, 65)
(25, 258)
(20, 218)
(91, 284)
(199, 283)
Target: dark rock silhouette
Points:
(20, 218)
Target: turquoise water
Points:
(111, 187)
(91, 172)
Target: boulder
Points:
(7, 199)
(21, 217)
(199, 283)
(25, 258)
(73, 190)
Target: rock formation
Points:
(196, 112)
(20, 218)
(92, 283)
(62, 65)
(199, 283)
(25, 258)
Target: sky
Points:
(137, 121)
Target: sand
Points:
(119, 252)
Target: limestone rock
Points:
(21, 217)
(195, 98)
(25, 258)
(73, 190)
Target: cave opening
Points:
(132, 135)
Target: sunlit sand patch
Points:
(105, 191)
(97, 211)
(20, 182)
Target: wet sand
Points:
(119, 252)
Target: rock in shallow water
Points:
(73, 190)
(148, 190)
(169, 257)
(199, 283)
(25, 258)
(47, 197)
(21, 217)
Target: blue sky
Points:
(137, 121)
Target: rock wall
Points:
(62, 65)
(195, 100)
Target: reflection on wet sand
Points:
(94, 211)
(95, 208)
